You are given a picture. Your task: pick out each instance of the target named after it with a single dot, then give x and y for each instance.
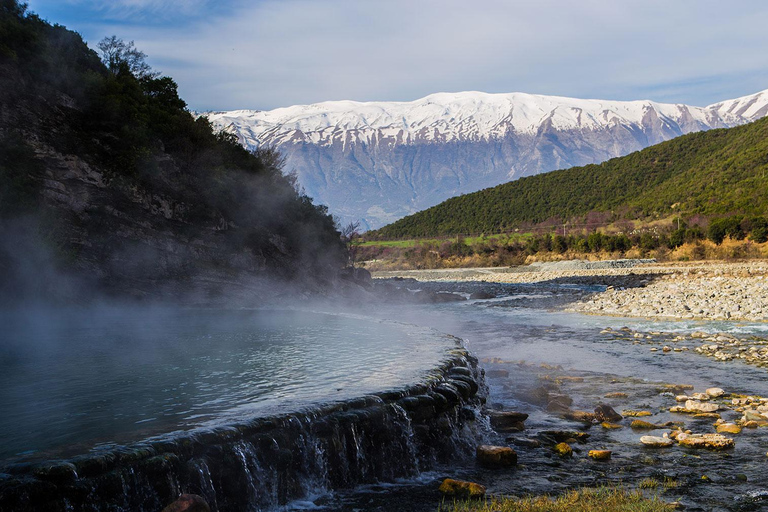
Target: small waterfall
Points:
(271, 461)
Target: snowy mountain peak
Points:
(378, 161)
(750, 107)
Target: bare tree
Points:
(116, 53)
(350, 235)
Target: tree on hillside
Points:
(116, 53)
(350, 235)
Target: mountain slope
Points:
(108, 184)
(708, 173)
(379, 161)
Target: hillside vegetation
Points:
(104, 173)
(707, 174)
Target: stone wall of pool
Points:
(271, 461)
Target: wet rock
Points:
(507, 421)
(708, 441)
(461, 489)
(559, 436)
(580, 416)
(496, 456)
(702, 397)
(438, 297)
(605, 413)
(482, 295)
(636, 414)
(599, 454)
(188, 503)
(610, 426)
(715, 392)
(644, 425)
(563, 450)
(697, 406)
(498, 373)
(707, 415)
(728, 428)
(616, 394)
(525, 442)
(656, 441)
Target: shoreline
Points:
(733, 291)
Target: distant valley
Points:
(379, 161)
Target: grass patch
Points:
(603, 499)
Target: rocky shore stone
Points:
(461, 489)
(563, 450)
(188, 503)
(728, 428)
(656, 441)
(507, 421)
(605, 413)
(644, 425)
(708, 441)
(496, 456)
(599, 454)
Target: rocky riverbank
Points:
(715, 291)
(637, 288)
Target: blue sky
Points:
(264, 54)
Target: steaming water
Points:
(522, 330)
(72, 381)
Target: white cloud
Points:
(272, 53)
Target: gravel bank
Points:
(703, 290)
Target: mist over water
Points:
(75, 379)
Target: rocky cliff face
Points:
(109, 185)
(381, 161)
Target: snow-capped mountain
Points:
(379, 161)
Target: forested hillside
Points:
(105, 175)
(713, 174)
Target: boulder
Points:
(605, 413)
(656, 441)
(610, 426)
(563, 450)
(708, 441)
(496, 456)
(599, 454)
(188, 503)
(507, 421)
(461, 489)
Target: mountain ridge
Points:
(379, 161)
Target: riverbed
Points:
(533, 349)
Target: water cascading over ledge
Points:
(271, 461)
